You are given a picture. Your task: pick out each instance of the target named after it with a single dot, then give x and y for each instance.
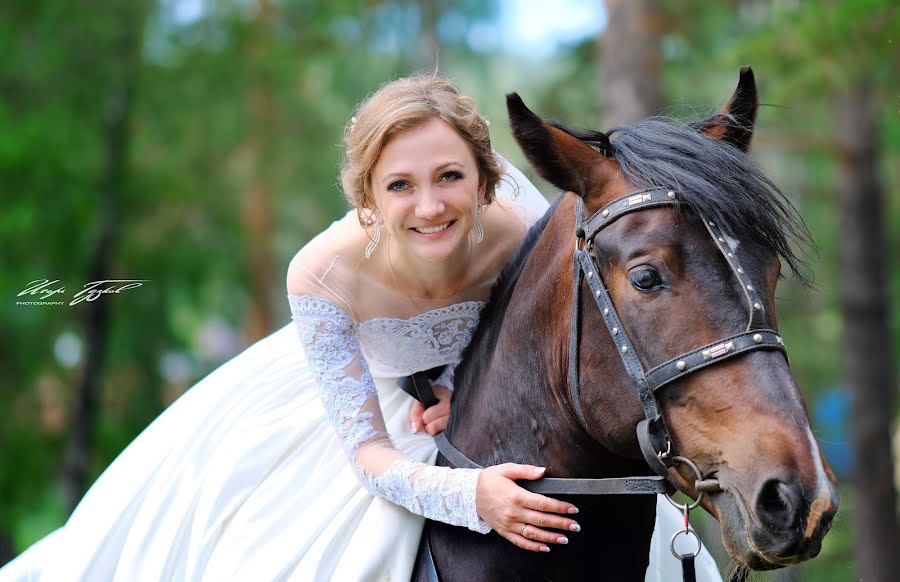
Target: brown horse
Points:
(675, 289)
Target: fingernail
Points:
(412, 427)
(573, 510)
(538, 471)
(562, 540)
(545, 549)
(575, 527)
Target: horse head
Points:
(678, 285)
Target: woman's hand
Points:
(520, 515)
(435, 418)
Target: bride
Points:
(300, 458)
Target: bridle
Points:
(653, 435)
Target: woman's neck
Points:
(428, 280)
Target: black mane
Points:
(713, 179)
(492, 315)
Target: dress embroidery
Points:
(340, 353)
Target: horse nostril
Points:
(778, 504)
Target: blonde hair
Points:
(405, 104)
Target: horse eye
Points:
(646, 280)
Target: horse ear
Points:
(742, 108)
(560, 158)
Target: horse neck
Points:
(515, 405)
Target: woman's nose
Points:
(429, 205)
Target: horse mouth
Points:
(756, 546)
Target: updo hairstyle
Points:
(401, 105)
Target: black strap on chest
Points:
(418, 385)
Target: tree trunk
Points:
(870, 368)
(631, 62)
(256, 208)
(116, 131)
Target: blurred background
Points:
(194, 145)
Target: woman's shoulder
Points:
(326, 266)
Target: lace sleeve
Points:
(350, 399)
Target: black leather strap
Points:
(418, 385)
(758, 339)
(688, 571)
(563, 486)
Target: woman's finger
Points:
(525, 543)
(529, 531)
(437, 425)
(433, 413)
(538, 502)
(549, 520)
(415, 416)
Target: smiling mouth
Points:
(432, 229)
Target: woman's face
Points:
(426, 187)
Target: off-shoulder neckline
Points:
(423, 315)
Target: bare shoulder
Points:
(322, 267)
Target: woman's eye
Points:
(450, 176)
(398, 186)
(646, 280)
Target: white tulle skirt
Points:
(243, 478)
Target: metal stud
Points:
(721, 239)
(597, 293)
(757, 306)
(671, 194)
(757, 338)
(680, 365)
(740, 270)
(590, 274)
(624, 349)
(711, 223)
(730, 255)
(749, 287)
(615, 331)
(605, 213)
(605, 309)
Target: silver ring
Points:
(686, 532)
(696, 470)
(523, 530)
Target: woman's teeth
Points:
(431, 229)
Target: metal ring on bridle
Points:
(685, 506)
(685, 532)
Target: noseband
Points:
(653, 435)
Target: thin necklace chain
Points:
(404, 293)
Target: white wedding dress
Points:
(295, 459)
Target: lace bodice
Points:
(340, 352)
(396, 347)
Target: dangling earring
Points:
(376, 238)
(478, 229)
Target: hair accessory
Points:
(352, 121)
(478, 229)
(376, 238)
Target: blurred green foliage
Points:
(196, 149)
